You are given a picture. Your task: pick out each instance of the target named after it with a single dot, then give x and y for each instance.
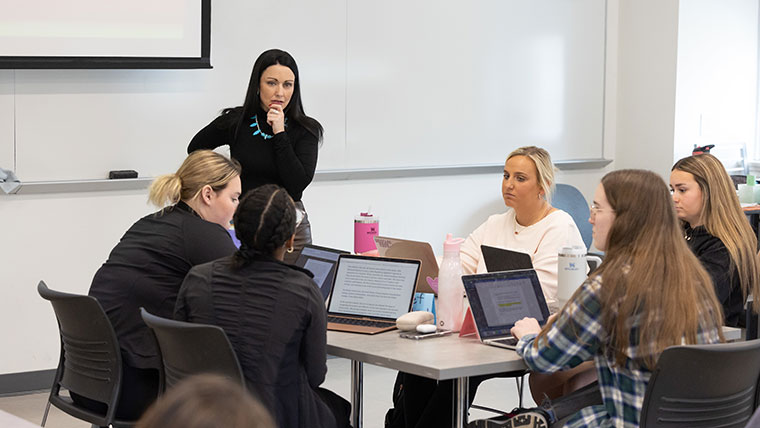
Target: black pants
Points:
(421, 402)
(139, 389)
(339, 407)
(568, 405)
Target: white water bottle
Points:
(450, 307)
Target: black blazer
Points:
(274, 316)
(146, 268)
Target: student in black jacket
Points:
(272, 312)
(270, 135)
(147, 266)
(717, 230)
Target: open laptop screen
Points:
(374, 287)
(498, 300)
(320, 261)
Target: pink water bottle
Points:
(366, 227)
(450, 307)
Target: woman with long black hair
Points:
(270, 135)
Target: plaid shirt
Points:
(577, 336)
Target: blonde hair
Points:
(204, 401)
(650, 277)
(544, 167)
(201, 168)
(722, 217)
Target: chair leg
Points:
(520, 384)
(44, 417)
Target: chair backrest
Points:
(703, 386)
(188, 349)
(90, 362)
(571, 200)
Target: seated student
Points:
(530, 224)
(148, 265)
(650, 292)
(717, 231)
(206, 401)
(272, 312)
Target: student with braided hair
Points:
(272, 312)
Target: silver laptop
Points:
(499, 299)
(369, 293)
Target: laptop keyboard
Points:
(361, 322)
(510, 341)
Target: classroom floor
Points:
(378, 385)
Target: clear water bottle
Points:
(450, 306)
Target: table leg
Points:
(357, 381)
(461, 387)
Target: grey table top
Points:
(440, 358)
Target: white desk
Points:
(441, 358)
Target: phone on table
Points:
(414, 335)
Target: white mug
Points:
(572, 265)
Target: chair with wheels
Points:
(90, 360)
(188, 349)
(703, 386)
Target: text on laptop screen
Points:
(505, 301)
(319, 262)
(373, 287)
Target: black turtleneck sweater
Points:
(716, 260)
(288, 159)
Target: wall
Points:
(646, 84)
(63, 238)
(716, 91)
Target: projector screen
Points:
(105, 34)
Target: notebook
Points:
(369, 293)
(320, 261)
(499, 299)
(405, 249)
(499, 259)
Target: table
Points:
(441, 358)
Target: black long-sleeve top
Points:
(147, 267)
(274, 316)
(288, 159)
(716, 260)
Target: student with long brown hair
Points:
(650, 292)
(717, 230)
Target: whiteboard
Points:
(396, 84)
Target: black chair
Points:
(188, 349)
(90, 361)
(703, 386)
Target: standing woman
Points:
(270, 135)
(148, 265)
(717, 231)
(650, 292)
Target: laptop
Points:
(500, 259)
(369, 293)
(320, 261)
(406, 249)
(499, 299)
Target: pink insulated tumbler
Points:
(366, 227)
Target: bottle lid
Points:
(750, 180)
(452, 244)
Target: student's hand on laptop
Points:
(525, 326)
